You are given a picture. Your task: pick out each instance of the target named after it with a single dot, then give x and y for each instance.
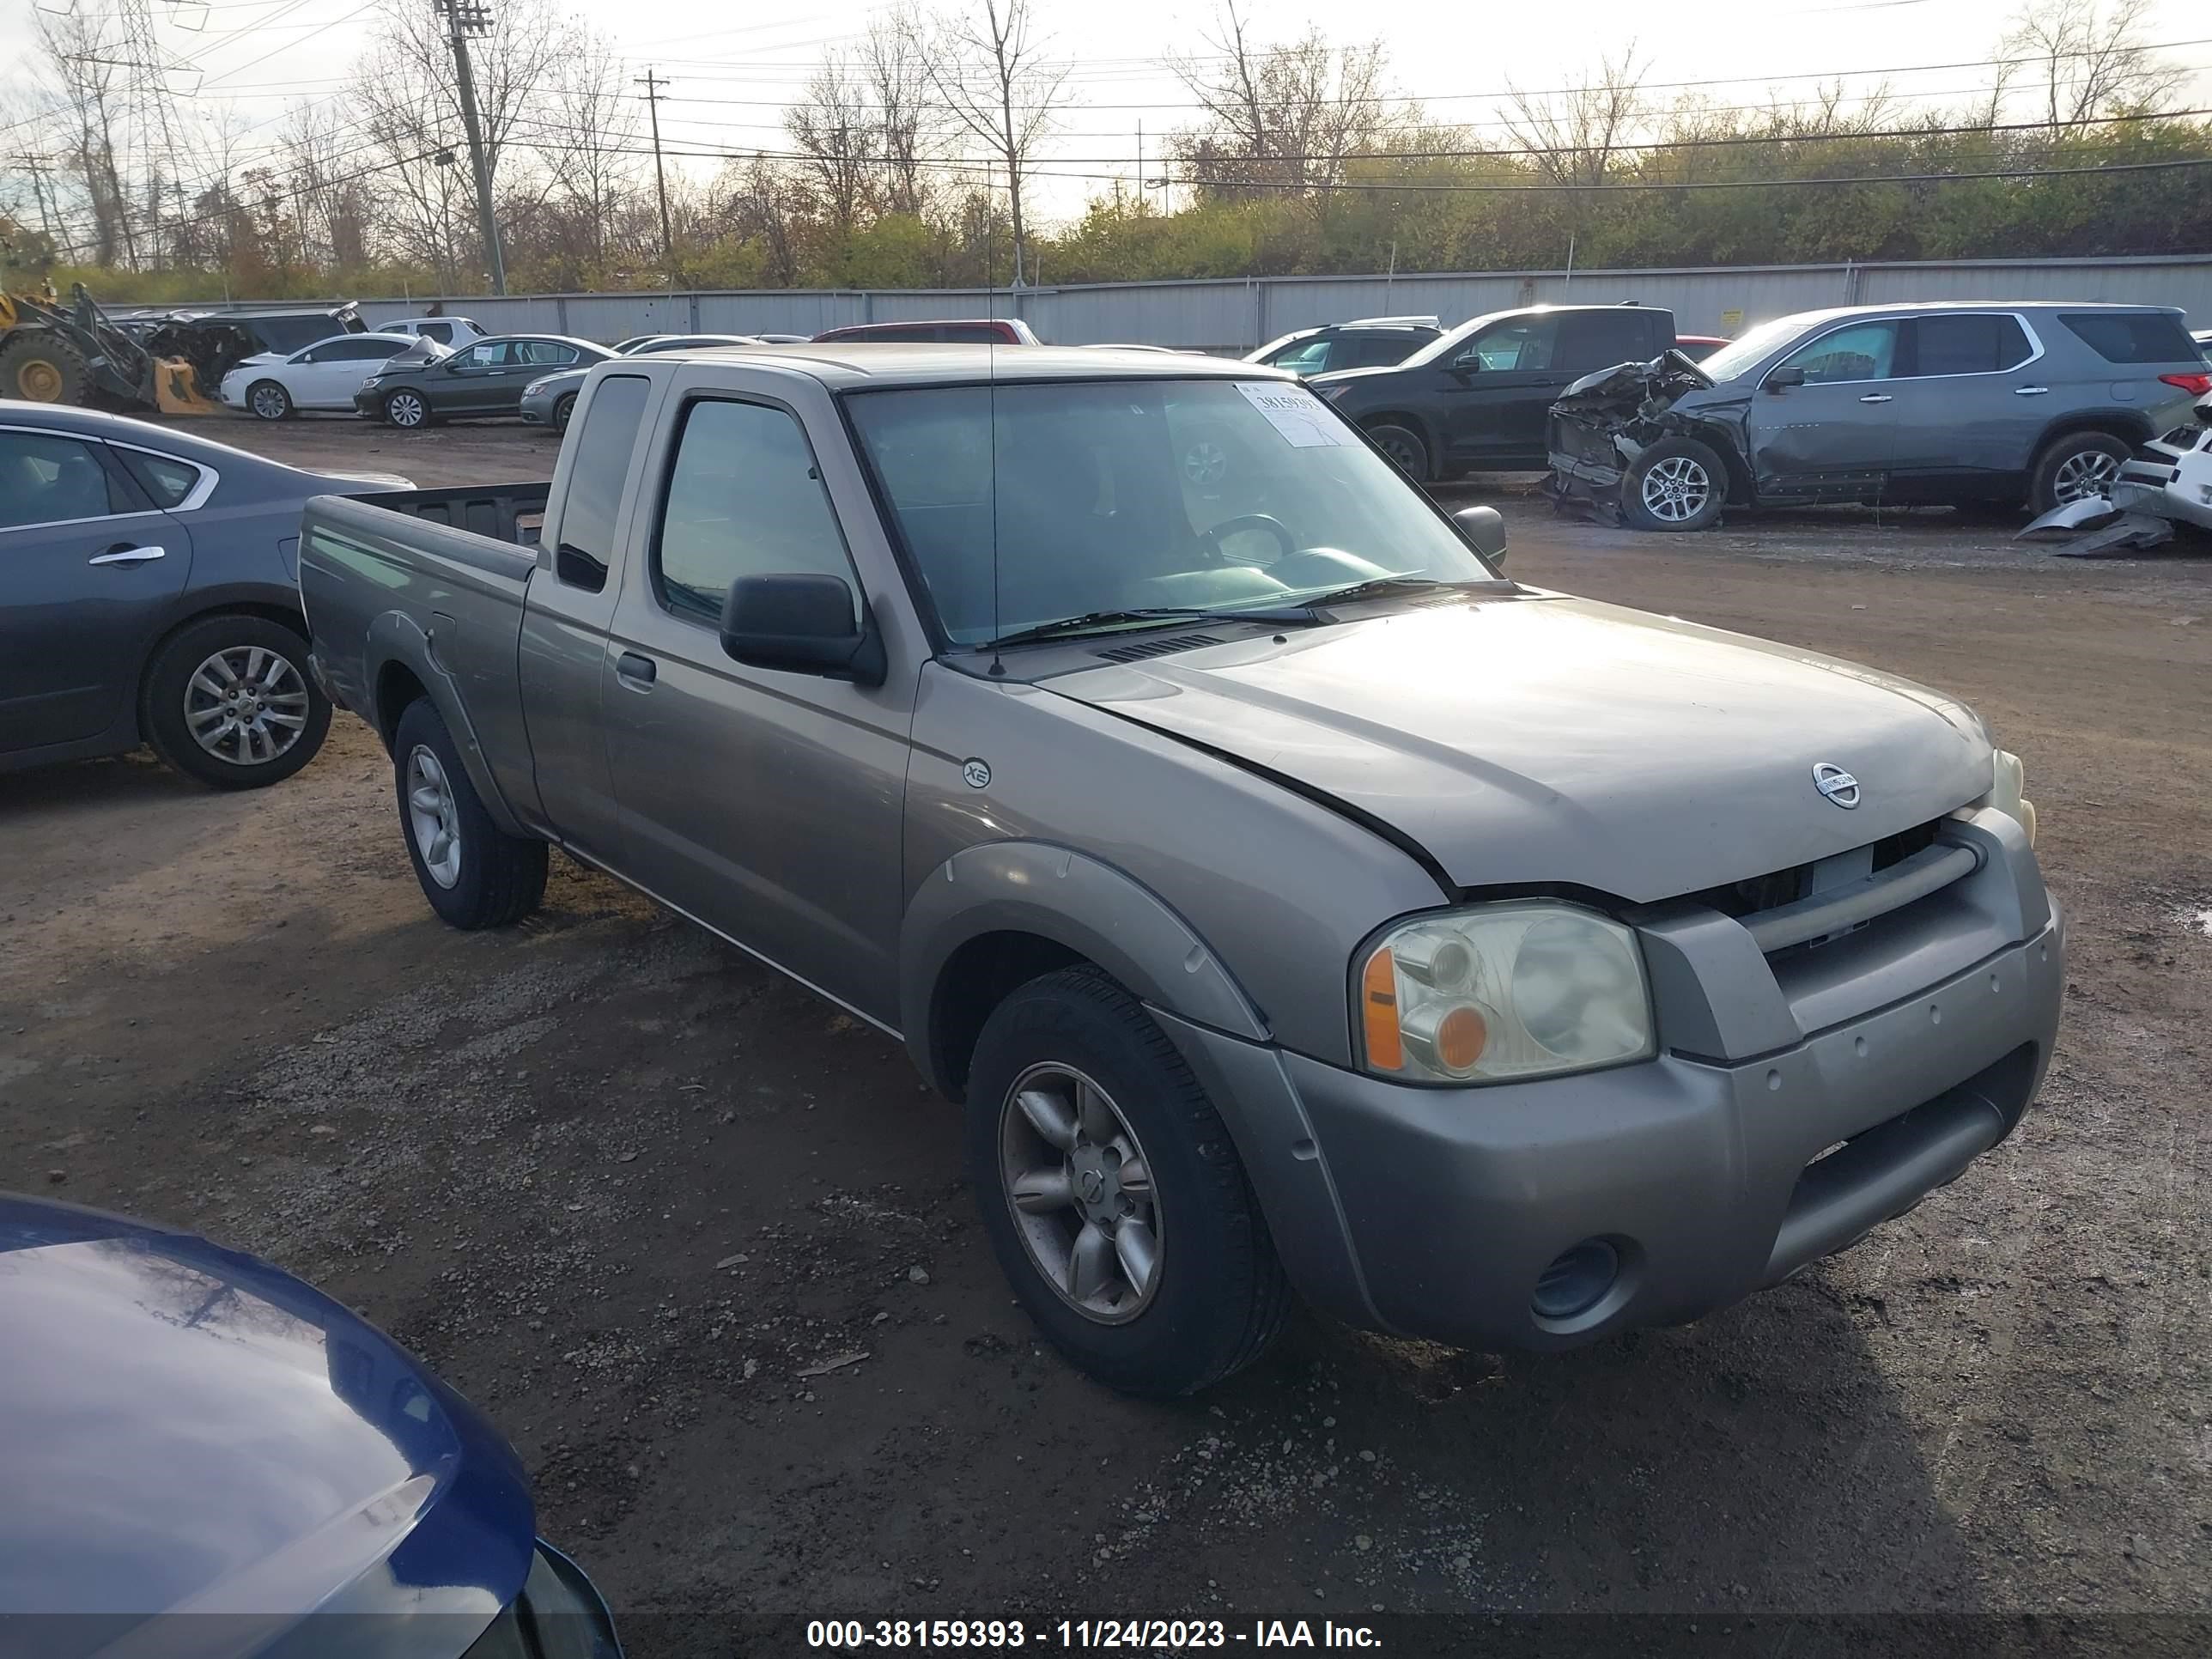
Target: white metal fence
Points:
(1235, 315)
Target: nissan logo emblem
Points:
(1838, 785)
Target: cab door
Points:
(1498, 389)
(87, 569)
(1822, 423)
(768, 804)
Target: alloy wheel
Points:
(404, 409)
(247, 705)
(2083, 476)
(1676, 490)
(269, 402)
(433, 816)
(1205, 462)
(1080, 1191)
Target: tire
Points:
(1678, 484)
(228, 700)
(1404, 446)
(485, 877)
(267, 401)
(39, 367)
(406, 409)
(1214, 1296)
(2078, 464)
(563, 410)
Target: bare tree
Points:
(909, 123)
(587, 144)
(1284, 117)
(332, 209)
(987, 64)
(836, 127)
(2088, 59)
(1576, 137)
(410, 111)
(83, 60)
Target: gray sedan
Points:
(150, 598)
(552, 400)
(483, 378)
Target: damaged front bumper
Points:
(1604, 421)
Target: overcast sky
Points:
(732, 78)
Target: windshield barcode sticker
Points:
(1296, 413)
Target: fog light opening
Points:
(1577, 1280)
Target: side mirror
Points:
(802, 624)
(1468, 361)
(1789, 374)
(1485, 527)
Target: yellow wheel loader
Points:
(52, 353)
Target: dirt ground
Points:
(626, 1190)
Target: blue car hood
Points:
(187, 1431)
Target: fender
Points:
(396, 637)
(1090, 907)
(2116, 419)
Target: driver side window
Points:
(1526, 343)
(1863, 351)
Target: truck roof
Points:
(856, 363)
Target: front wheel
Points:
(1404, 446)
(267, 400)
(227, 701)
(1678, 484)
(2076, 467)
(474, 874)
(563, 410)
(1113, 1197)
(406, 410)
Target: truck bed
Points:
(429, 583)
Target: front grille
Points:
(1143, 648)
(1770, 892)
(1813, 904)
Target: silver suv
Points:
(1966, 405)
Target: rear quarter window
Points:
(586, 549)
(2131, 337)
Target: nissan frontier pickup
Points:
(1292, 900)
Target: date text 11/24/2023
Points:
(1142, 1635)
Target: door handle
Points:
(2029, 390)
(124, 553)
(634, 671)
(1875, 398)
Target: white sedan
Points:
(325, 375)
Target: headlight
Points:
(537, 387)
(2005, 793)
(1498, 992)
(374, 379)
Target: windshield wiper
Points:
(1376, 587)
(1093, 622)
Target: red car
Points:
(1699, 347)
(970, 331)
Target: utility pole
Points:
(652, 84)
(36, 167)
(468, 18)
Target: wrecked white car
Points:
(2167, 482)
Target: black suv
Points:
(1477, 399)
(1364, 342)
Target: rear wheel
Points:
(1404, 446)
(406, 409)
(267, 400)
(474, 874)
(2076, 466)
(1112, 1194)
(40, 367)
(228, 700)
(1678, 484)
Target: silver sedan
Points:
(550, 401)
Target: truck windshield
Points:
(1113, 496)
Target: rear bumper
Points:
(1435, 1213)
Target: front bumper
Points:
(369, 401)
(1435, 1213)
(538, 411)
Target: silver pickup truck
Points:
(1292, 899)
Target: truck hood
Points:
(200, 1450)
(1545, 740)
